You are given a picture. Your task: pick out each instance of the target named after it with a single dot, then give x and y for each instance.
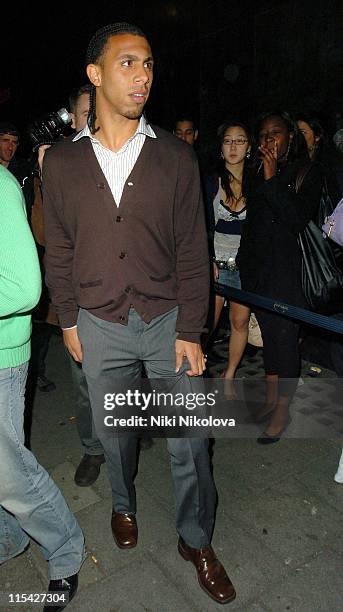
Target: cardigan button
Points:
(122, 255)
(101, 185)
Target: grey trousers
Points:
(84, 418)
(110, 351)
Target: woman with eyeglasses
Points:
(227, 203)
(269, 257)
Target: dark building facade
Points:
(214, 58)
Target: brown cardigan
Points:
(150, 253)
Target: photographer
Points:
(89, 468)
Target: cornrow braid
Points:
(96, 49)
(91, 118)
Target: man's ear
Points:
(196, 134)
(72, 120)
(94, 74)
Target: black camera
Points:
(49, 128)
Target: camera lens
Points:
(64, 115)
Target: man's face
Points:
(81, 112)
(185, 131)
(123, 76)
(8, 147)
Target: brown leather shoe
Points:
(88, 470)
(124, 529)
(212, 576)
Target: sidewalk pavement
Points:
(278, 529)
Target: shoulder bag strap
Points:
(302, 173)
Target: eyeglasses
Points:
(237, 141)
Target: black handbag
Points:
(321, 278)
(326, 206)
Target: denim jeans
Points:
(230, 278)
(31, 505)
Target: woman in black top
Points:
(322, 151)
(269, 258)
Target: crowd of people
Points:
(256, 212)
(128, 248)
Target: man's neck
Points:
(115, 131)
(4, 163)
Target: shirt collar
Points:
(143, 128)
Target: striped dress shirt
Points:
(118, 166)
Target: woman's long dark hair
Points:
(225, 175)
(325, 152)
(297, 148)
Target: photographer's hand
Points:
(41, 153)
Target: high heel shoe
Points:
(268, 439)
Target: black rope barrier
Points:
(288, 310)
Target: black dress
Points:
(269, 258)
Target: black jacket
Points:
(23, 172)
(269, 258)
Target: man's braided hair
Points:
(94, 52)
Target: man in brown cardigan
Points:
(128, 270)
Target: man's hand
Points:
(41, 153)
(269, 157)
(193, 352)
(73, 344)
